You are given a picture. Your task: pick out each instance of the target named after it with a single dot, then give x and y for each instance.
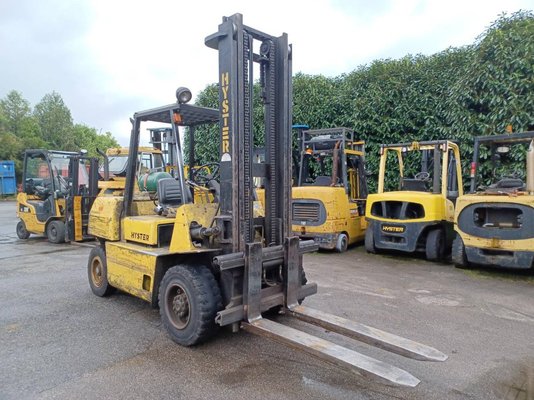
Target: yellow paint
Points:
(436, 205)
(77, 212)
(128, 266)
(341, 213)
(115, 151)
(493, 243)
(104, 218)
(144, 229)
(203, 214)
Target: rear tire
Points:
(435, 245)
(370, 240)
(55, 232)
(97, 272)
(459, 258)
(342, 243)
(22, 232)
(189, 298)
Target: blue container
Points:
(8, 183)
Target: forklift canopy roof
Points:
(190, 114)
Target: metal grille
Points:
(305, 212)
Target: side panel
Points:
(104, 218)
(186, 215)
(26, 212)
(131, 270)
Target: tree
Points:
(89, 139)
(55, 122)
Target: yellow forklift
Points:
(419, 214)
(494, 222)
(113, 169)
(328, 200)
(211, 265)
(58, 190)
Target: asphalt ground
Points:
(59, 341)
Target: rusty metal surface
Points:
(367, 334)
(331, 352)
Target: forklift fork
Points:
(316, 346)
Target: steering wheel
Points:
(422, 176)
(41, 191)
(205, 173)
(512, 175)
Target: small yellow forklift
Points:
(209, 265)
(58, 190)
(494, 223)
(328, 201)
(419, 214)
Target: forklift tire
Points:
(97, 272)
(370, 240)
(342, 243)
(55, 232)
(435, 245)
(189, 299)
(459, 257)
(22, 232)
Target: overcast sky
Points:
(109, 59)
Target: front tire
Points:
(97, 271)
(22, 232)
(55, 232)
(189, 298)
(435, 245)
(342, 243)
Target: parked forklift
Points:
(58, 190)
(114, 167)
(209, 265)
(328, 203)
(419, 214)
(494, 222)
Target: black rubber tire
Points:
(97, 272)
(370, 240)
(55, 232)
(342, 243)
(435, 245)
(197, 286)
(22, 232)
(459, 258)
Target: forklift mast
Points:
(236, 44)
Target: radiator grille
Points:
(306, 212)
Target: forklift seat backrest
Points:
(169, 192)
(415, 185)
(323, 181)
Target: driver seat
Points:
(169, 193)
(415, 185)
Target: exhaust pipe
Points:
(530, 168)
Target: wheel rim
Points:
(21, 229)
(177, 306)
(344, 244)
(97, 272)
(53, 232)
